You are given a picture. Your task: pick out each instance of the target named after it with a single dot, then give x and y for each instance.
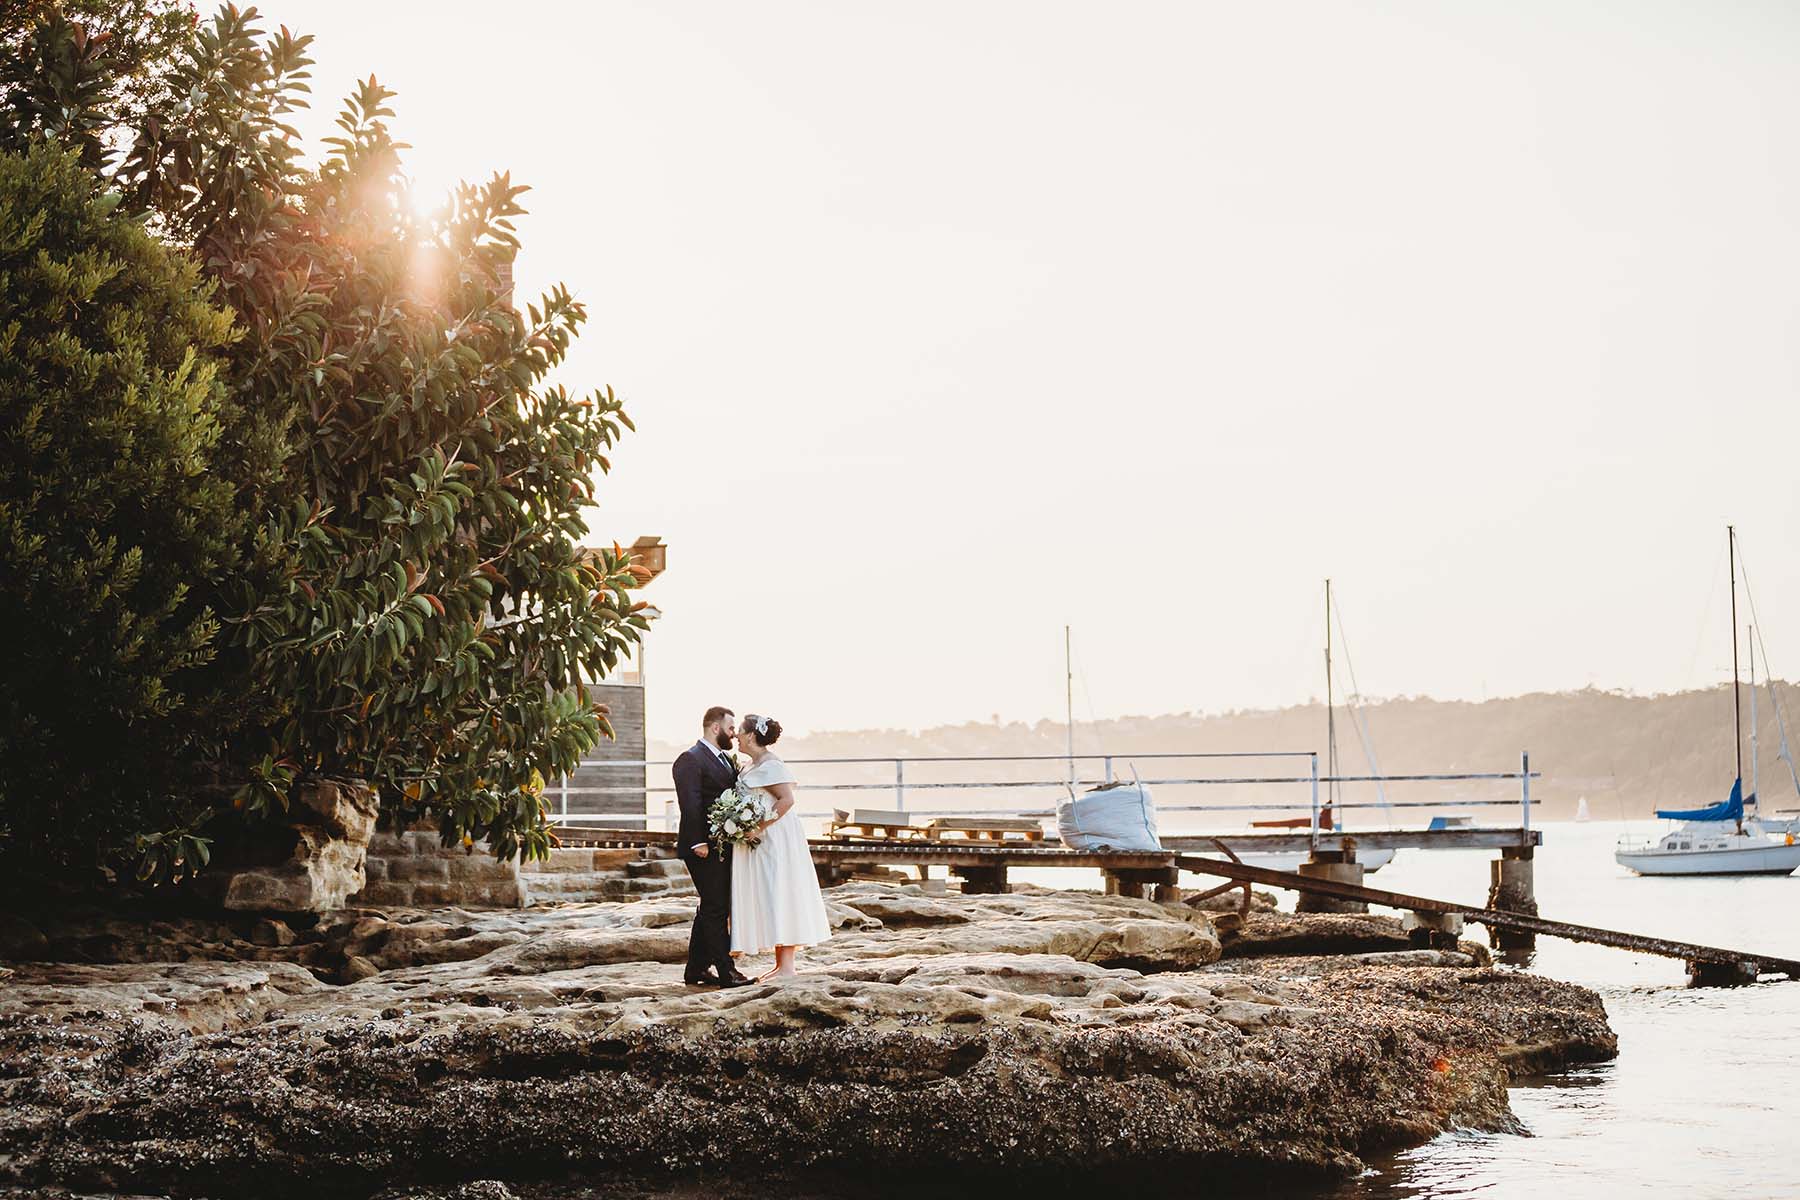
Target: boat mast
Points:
(1331, 755)
(1737, 704)
(1753, 793)
(1069, 701)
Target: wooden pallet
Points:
(989, 831)
(869, 831)
(881, 825)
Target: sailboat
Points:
(1717, 839)
(1371, 859)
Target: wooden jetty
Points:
(983, 868)
(1462, 838)
(1705, 963)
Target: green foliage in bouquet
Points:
(735, 818)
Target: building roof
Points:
(648, 557)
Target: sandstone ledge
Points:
(995, 1036)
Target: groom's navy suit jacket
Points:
(700, 775)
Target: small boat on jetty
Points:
(1718, 839)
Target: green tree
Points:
(110, 512)
(433, 631)
(88, 73)
(412, 607)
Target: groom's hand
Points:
(702, 850)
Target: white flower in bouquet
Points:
(735, 816)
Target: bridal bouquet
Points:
(734, 818)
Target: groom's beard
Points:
(722, 741)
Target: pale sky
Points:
(946, 324)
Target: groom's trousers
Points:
(709, 945)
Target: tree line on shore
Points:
(286, 489)
(1626, 754)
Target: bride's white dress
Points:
(775, 897)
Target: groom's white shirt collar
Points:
(717, 753)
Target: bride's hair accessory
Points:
(768, 729)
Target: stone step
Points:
(582, 860)
(608, 885)
(562, 859)
(557, 888)
(659, 868)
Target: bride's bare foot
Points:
(785, 957)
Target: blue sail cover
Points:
(1726, 810)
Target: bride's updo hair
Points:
(766, 730)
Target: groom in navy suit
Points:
(703, 771)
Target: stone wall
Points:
(312, 862)
(411, 870)
(584, 874)
(615, 809)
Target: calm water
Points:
(1702, 1100)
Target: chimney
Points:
(503, 282)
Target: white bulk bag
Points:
(1118, 816)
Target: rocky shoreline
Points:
(1056, 1037)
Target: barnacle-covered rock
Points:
(990, 1037)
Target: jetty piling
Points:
(1513, 887)
(1432, 930)
(1339, 865)
(1142, 883)
(978, 880)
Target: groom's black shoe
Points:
(706, 980)
(736, 979)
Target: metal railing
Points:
(1074, 780)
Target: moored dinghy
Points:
(1371, 860)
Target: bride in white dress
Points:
(775, 901)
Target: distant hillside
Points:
(1626, 754)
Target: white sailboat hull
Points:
(1761, 858)
(1371, 860)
